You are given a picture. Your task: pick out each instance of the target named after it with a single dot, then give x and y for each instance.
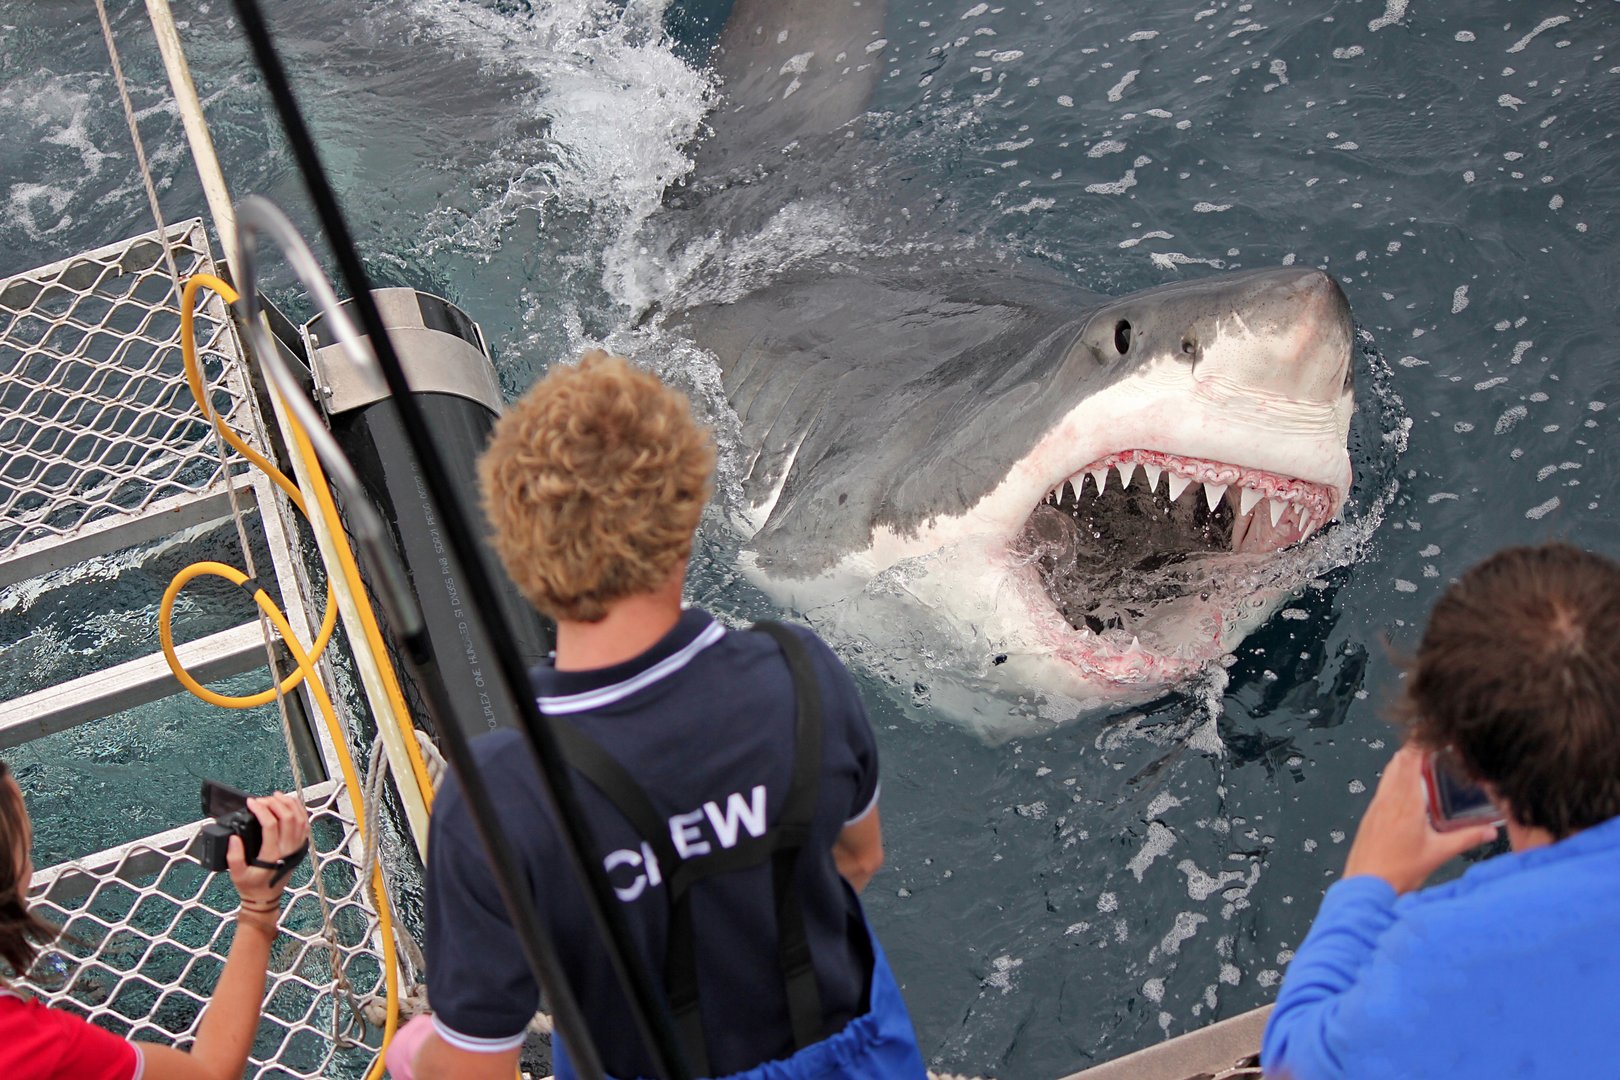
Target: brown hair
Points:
(1519, 670)
(21, 931)
(594, 482)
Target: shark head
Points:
(1086, 492)
(1126, 536)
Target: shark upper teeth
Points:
(1127, 470)
(1213, 494)
(1178, 484)
(1248, 500)
(1152, 472)
(1101, 476)
(1277, 507)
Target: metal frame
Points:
(85, 344)
(150, 927)
(147, 930)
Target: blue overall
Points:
(880, 1043)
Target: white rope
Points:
(413, 999)
(220, 449)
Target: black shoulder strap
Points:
(781, 843)
(799, 809)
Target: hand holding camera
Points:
(1396, 840)
(260, 840)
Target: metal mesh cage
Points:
(96, 420)
(147, 930)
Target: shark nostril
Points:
(1122, 337)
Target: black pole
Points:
(405, 616)
(647, 1005)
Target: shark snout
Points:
(1288, 335)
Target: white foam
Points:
(1160, 839)
(1001, 973)
(619, 109)
(1117, 91)
(1117, 187)
(1185, 929)
(1200, 885)
(1543, 27)
(1394, 12)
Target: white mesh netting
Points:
(96, 420)
(147, 930)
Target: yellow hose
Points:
(351, 572)
(351, 781)
(188, 348)
(399, 714)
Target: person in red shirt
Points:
(40, 1043)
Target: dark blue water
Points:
(1056, 900)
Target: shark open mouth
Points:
(1132, 549)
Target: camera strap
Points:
(282, 867)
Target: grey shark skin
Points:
(1066, 488)
(925, 421)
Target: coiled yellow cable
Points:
(305, 659)
(351, 781)
(328, 509)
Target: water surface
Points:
(1063, 898)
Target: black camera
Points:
(228, 808)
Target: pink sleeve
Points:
(407, 1043)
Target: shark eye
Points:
(1189, 346)
(1122, 337)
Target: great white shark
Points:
(1080, 491)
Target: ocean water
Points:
(1050, 900)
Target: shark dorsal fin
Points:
(791, 70)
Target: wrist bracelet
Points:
(268, 921)
(261, 906)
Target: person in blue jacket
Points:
(730, 778)
(1513, 969)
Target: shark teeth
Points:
(1296, 509)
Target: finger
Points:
(294, 822)
(270, 829)
(1452, 844)
(1406, 766)
(235, 859)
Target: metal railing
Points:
(102, 449)
(101, 445)
(147, 930)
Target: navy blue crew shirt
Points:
(704, 721)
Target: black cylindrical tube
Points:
(650, 1009)
(375, 440)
